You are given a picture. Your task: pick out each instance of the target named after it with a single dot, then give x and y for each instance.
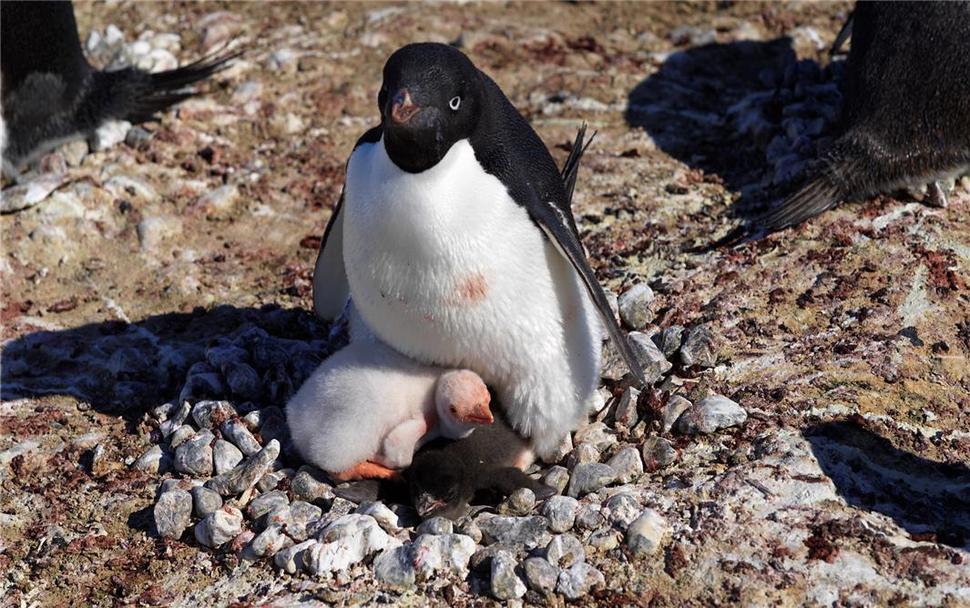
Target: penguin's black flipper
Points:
(138, 96)
(818, 195)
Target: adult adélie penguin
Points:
(455, 239)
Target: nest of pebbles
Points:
(233, 483)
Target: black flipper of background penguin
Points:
(51, 93)
(906, 113)
(554, 217)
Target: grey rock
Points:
(154, 460)
(529, 532)
(634, 306)
(266, 503)
(225, 456)
(268, 542)
(442, 554)
(589, 517)
(153, 231)
(669, 340)
(710, 415)
(675, 407)
(436, 525)
(173, 513)
(625, 414)
(219, 527)
(178, 484)
(345, 542)
(470, 529)
(194, 456)
(289, 559)
(243, 380)
(235, 430)
(557, 477)
(540, 575)
(269, 481)
(605, 539)
(387, 518)
(583, 453)
(597, 434)
(521, 501)
(394, 566)
(627, 465)
(181, 435)
(308, 484)
(621, 510)
(505, 583)
(300, 518)
(698, 348)
(561, 512)
(658, 453)
(579, 580)
(246, 474)
(176, 418)
(652, 361)
(209, 414)
(137, 137)
(564, 550)
(590, 477)
(205, 501)
(645, 534)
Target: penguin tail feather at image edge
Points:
(136, 96)
(570, 168)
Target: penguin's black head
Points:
(437, 484)
(431, 98)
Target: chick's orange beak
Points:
(476, 414)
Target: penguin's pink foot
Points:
(365, 470)
(466, 397)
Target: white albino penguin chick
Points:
(456, 242)
(367, 408)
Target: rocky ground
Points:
(822, 458)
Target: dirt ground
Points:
(846, 336)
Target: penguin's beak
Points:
(479, 414)
(403, 108)
(426, 504)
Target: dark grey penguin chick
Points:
(51, 93)
(446, 477)
(906, 113)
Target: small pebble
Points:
(669, 340)
(194, 456)
(505, 583)
(289, 559)
(540, 575)
(173, 513)
(557, 477)
(521, 501)
(625, 414)
(181, 435)
(710, 415)
(265, 503)
(154, 460)
(581, 454)
(652, 361)
(219, 527)
(645, 534)
(529, 532)
(436, 525)
(590, 477)
(209, 414)
(605, 539)
(579, 580)
(676, 405)
(561, 513)
(270, 481)
(597, 434)
(589, 517)
(308, 484)
(268, 542)
(176, 418)
(621, 510)
(634, 306)
(698, 349)
(658, 453)
(235, 430)
(564, 550)
(205, 501)
(225, 456)
(387, 518)
(627, 464)
(300, 518)
(245, 475)
(471, 530)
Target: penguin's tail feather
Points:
(570, 168)
(138, 96)
(818, 195)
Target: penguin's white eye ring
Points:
(455, 103)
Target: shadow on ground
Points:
(123, 368)
(746, 111)
(928, 499)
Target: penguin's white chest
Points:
(446, 267)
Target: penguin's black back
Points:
(40, 37)
(907, 80)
